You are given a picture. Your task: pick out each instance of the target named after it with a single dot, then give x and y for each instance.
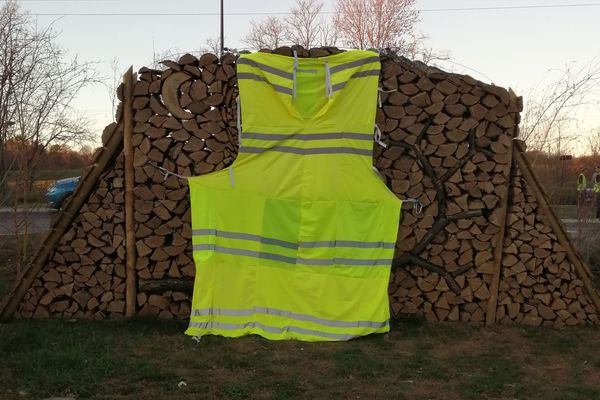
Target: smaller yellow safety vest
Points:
(597, 182)
(581, 183)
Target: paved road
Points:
(38, 220)
(588, 225)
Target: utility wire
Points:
(213, 14)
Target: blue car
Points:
(57, 193)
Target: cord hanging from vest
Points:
(417, 205)
(328, 86)
(378, 137)
(381, 90)
(165, 171)
(294, 73)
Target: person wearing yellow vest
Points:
(295, 240)
(581, 182)
(596, 183)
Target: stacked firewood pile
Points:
(85, 276)
(450, 144)
(539, 284)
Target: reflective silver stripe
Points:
(360, 74)
(264, 67)
(347, 243)
(244, 236)
(278, 88)
(339, 86)
(354, 64)
(270, 329)
(291, 245)
(305, 152)
(357, 262)
(288, 314)
(309, 136)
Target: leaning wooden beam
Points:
(131, 285)
(89, 181)
(563, 239)
(492, 305)
(162, 285)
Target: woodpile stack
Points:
(481, 245)
(539, 284)
(85, 276)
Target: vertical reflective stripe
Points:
(294, 75)
(239, 120)
(231, 179)
(328, 88)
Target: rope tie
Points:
(378, 137)
(417, 206)
(381, 90)
(166, 172)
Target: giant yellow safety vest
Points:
(295, 240)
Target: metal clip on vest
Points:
(417, 206)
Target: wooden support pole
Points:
(162, 285)
(86, 185)
(492, 305)
(131, 277)
(563, 239)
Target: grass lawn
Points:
(147, 359)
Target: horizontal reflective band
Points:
(244, 236)
(291, 245)
(266, 68)
(354, 64)
(347, 243)
(360, 74)
(291, 260)
(278, 88)
(270, 329)
(309, 136)
(306, 152)
(288, 314)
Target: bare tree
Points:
(37, 88)
(213, 45)
(377, 24)
(550, 114)
(304, 24)
(269, 33)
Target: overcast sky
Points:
(513, 47)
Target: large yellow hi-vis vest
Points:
(296, 239)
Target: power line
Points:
(212, 14)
